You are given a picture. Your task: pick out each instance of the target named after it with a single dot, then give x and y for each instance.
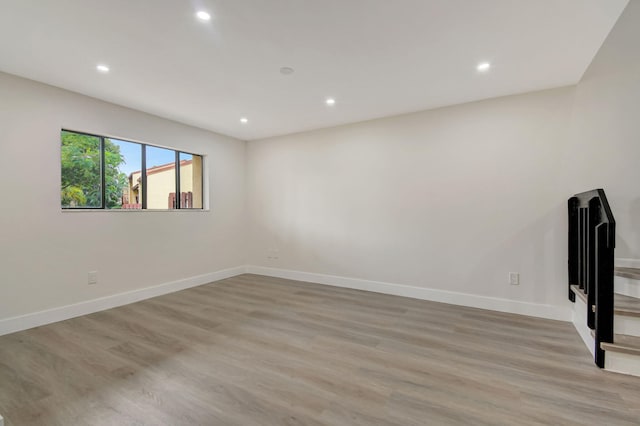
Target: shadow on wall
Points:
(540, 259)
(633, 230)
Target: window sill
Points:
(134, 210)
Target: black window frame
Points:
(143, 174)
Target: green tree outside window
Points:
(81, 172)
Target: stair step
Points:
(623, 344)
(623, 305)
(578, 292)
(627, 281)
(581, 294)
(633, 273)
(626, 305)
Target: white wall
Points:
(454, 199)
(451, 199)
(45, 253)
(604, 149)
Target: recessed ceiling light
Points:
(483, 66)
(286, 70)
(203, 16)
(244, 120)
(102, 68)
(330, 101)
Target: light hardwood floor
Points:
(253, 350)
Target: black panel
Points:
(591, 259)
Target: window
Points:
(123, 174)
(81, 185)
(161, 178)
(190, 181)
(98, 172)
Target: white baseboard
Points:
(454, 298)
(23, 322)
(580, 323)
(627, 263)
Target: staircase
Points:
(623, 355)
(606, 298)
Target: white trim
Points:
(623, 324)
(23, 322)
(626, 286)
(627, 263)
(580, 324)
(1, 420)
(622, 363)
(81, 210)
(444, 296)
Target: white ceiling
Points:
(376, 57)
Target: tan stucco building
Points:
(161, 182)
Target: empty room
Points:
(339, 212)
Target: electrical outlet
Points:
(93, 277)
(514, 278)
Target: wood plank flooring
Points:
(253, 350)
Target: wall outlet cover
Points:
(514, 278)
